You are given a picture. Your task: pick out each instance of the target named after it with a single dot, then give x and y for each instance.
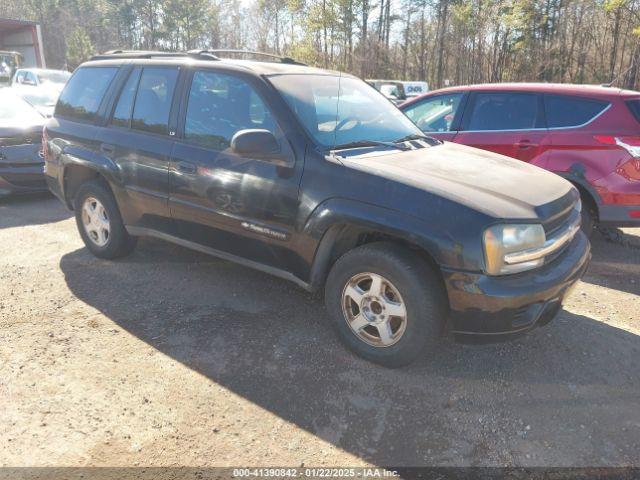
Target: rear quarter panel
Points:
(575, 153)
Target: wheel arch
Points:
(344, 225)
(76, 173)
(587, 192)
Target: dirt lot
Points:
(170, 357)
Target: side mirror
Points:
(256, 143)
(28, 81)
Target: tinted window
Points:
(153, 100)
(84, 91)
(504, 111)
(219, 106)
(567, 111)
(634, 106)
(122, 112)
(435, 114)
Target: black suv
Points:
(315, 177)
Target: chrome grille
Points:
(556, 242)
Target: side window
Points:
(30, 77)
(504, 111)
(220, 105)
(122, 112)
(566, 111)
(153, 100)
(435, 114)
(20, 77)
(83, 93)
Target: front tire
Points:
(386, 303)
(100, 223)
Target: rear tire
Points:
(391, 324)
(100, 223)
(588, 218)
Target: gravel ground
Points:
(170, 357)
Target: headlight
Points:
(501, 240)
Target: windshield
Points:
(53, 76)
(14, 111)
(342, 110)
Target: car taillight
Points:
(630, 144)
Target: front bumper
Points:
(504, 306)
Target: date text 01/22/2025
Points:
(314, 472)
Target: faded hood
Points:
(493, 184)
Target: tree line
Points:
(443, 42)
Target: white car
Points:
(37, 77)
(40, 87)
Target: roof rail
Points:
(111, 54)
(216, 52)
(200, 54)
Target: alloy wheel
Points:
(374, 309)
(96, 221)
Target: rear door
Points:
(574, 136)
(508, 123)
(438, 115)
(138, 140)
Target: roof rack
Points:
(136, 54)
(216, 52)
(200, 54)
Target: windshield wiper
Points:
(370, 143)
(417, 136)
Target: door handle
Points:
(525, 144)
(186, 167)
(107, 148)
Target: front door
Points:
(225, 201)
(508, 123)
(438, 115)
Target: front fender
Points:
(329, 218)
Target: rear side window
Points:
(153, 100)
(122, 112)
(83, 93)
(634, 107)
(565, 111)
(504, 111)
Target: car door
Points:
(509, 123)
(222, 200)
(138, 141)
(437, 115)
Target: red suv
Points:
(589, 135)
